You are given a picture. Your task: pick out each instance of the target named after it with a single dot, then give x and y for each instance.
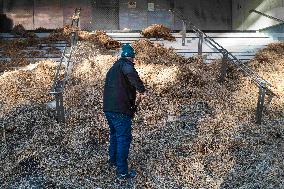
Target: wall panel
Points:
(105, 14)
(20, 12)
(48, 14)
(161, 14)
(133, 18)
(117, 14)
(207, 15)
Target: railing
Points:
(57, 88)
(266, 15)
(264, 86)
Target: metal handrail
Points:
(261, 82)
(57, 72)
(266, 15)
(263, 85)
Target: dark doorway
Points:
(6, 24)
(21, 12)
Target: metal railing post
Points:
(183, 32)
(269, 100)
(200, 44)
(59, 107)
(58, 93)
(224, 67)
(260, 103)
(74, 38)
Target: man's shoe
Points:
(122, 177)
(130, 175)
(125, 180)
(121, 180)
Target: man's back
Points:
(121, 83)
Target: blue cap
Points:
(127, 51)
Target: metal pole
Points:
(59, 102)
(59, 107)
(266, 15)
(200, 43)
(183, 32)
(73, 38)
(78, 22)
(224, 67)
(260, 104)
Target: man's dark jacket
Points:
(122, 81)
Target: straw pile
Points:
(16, 51)
(26, 86)
(269, 62)
(158, 31)
(20, 31)
(61, 34)
(189, 132)
(150, 53)
(41, 29)
(11, 65)
(19, 51)
(101, 38)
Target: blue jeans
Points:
(120, 139)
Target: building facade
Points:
(116, 14)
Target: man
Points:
(122, 82)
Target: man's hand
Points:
(140, 97)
